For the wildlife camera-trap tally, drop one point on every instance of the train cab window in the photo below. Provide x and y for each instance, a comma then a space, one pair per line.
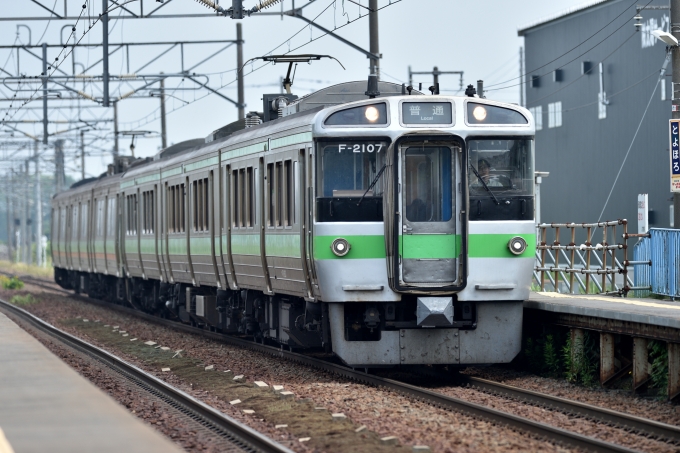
350, 181
503, 168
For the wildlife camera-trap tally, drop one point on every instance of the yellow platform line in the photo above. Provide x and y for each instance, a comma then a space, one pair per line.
5, 447
637, 302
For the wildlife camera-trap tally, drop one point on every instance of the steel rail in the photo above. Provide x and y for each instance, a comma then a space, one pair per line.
543, 430
236, 433
613, 418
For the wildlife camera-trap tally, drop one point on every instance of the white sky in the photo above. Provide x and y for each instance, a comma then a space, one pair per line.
478, 37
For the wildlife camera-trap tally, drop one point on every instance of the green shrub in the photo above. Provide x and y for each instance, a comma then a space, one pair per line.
11, 283
24, 300
541, 356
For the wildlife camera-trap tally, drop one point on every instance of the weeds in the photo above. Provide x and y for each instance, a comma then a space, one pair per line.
658, 354
24, 300
11, 283
541, 355
579, 360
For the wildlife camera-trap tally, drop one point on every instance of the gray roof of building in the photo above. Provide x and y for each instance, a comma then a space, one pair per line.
553, 17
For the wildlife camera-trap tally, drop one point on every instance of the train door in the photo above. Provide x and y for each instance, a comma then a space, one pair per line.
430, 241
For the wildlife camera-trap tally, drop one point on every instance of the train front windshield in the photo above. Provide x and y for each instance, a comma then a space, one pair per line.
350, 183
504, 167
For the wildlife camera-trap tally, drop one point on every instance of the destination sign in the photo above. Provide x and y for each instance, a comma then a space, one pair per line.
427, 113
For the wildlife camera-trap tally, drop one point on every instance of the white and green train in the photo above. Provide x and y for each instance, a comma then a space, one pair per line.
396, 229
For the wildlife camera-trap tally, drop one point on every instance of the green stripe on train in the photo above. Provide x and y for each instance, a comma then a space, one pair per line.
430, 246
426, 246
496, 245
283, 245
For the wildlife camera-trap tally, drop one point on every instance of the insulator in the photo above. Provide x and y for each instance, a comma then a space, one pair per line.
265, 4
253, 119
208, 3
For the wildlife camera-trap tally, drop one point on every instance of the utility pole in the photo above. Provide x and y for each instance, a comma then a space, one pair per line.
164, 130
521, 76
10, 215
24, 215
675, 31
105, 46
38, 209
239, 73
374, 35
82, 154
115, 132
44, 70
59, 166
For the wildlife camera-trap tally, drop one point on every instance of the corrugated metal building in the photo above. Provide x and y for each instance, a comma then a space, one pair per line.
590, 76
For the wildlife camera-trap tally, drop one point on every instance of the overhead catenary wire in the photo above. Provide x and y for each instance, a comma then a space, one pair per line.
662, 73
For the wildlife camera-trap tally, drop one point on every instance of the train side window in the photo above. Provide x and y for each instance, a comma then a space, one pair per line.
147, 212
236, 194
270, 195
279, 194
100, 218
131, 214
195, 203
111, 219
181, 195
243, 197
206, 205
250, 217
170, 204
288, 193
83, 219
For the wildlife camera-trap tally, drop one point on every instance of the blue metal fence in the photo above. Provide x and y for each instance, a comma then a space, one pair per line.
642, 273
665, 255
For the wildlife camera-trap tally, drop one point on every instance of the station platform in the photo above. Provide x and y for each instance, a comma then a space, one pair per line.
47, 406
647, 318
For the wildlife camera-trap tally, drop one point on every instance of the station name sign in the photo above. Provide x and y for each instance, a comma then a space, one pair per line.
675, 155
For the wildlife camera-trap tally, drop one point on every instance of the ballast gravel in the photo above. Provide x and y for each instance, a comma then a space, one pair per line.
383, 412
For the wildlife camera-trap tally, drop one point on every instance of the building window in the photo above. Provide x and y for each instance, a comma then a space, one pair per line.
555, 114
535, 81
537, 112
558, 75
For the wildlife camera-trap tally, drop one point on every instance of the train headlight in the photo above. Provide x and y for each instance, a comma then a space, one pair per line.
340, 247
517, 245
372, 114
479, 113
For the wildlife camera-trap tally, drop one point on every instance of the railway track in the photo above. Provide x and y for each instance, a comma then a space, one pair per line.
237, 436
631, 423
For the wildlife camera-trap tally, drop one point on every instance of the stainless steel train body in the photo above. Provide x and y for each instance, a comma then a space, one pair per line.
394, 230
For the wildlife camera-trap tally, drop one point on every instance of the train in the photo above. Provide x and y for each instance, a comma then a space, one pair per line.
387, 227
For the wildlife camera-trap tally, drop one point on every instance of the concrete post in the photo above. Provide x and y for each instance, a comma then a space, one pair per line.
82, 154
640, 363
105, 48
115, 133
44, 69
607, 367
577, 338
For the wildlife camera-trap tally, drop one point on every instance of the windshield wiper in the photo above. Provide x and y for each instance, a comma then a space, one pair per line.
495, 200
375, 180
